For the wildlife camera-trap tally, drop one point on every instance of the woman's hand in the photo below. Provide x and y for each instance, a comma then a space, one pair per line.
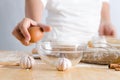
21, 30
107, 29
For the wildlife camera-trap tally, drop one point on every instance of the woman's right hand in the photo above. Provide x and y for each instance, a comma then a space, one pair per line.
21, 30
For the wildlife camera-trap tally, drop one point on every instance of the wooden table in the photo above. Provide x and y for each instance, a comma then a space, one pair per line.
43, 71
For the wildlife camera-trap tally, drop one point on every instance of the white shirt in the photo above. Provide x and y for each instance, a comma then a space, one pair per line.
73, 19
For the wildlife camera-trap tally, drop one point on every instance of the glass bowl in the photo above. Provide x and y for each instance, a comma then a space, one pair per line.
51, 52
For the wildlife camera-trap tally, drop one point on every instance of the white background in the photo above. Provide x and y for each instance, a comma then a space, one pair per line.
12, 11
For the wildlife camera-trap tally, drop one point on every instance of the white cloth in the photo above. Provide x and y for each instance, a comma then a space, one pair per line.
73, 19
45, 1
105, 0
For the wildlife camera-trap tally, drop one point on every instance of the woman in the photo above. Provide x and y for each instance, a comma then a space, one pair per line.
81, 19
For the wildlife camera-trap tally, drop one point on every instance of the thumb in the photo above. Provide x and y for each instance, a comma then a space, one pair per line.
45, 28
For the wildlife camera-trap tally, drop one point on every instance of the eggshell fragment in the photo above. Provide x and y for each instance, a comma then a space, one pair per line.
34, 51
63, 64
27, 62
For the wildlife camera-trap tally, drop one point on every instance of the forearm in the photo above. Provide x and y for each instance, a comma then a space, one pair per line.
34, 9
105, 13
106, 28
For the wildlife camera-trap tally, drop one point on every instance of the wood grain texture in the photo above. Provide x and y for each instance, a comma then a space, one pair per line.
43, 71
46, 72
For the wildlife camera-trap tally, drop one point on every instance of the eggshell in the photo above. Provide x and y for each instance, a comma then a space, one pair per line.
63, 64
27, 62
36, 34
34, 51
90, 44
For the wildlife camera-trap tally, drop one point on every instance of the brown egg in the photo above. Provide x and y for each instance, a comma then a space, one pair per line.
36, 34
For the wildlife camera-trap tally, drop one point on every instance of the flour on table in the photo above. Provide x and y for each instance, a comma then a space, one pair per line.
11, 56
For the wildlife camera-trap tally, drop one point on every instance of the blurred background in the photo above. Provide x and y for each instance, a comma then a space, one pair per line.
12, 11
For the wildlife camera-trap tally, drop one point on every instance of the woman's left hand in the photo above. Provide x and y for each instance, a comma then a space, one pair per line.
107, 29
